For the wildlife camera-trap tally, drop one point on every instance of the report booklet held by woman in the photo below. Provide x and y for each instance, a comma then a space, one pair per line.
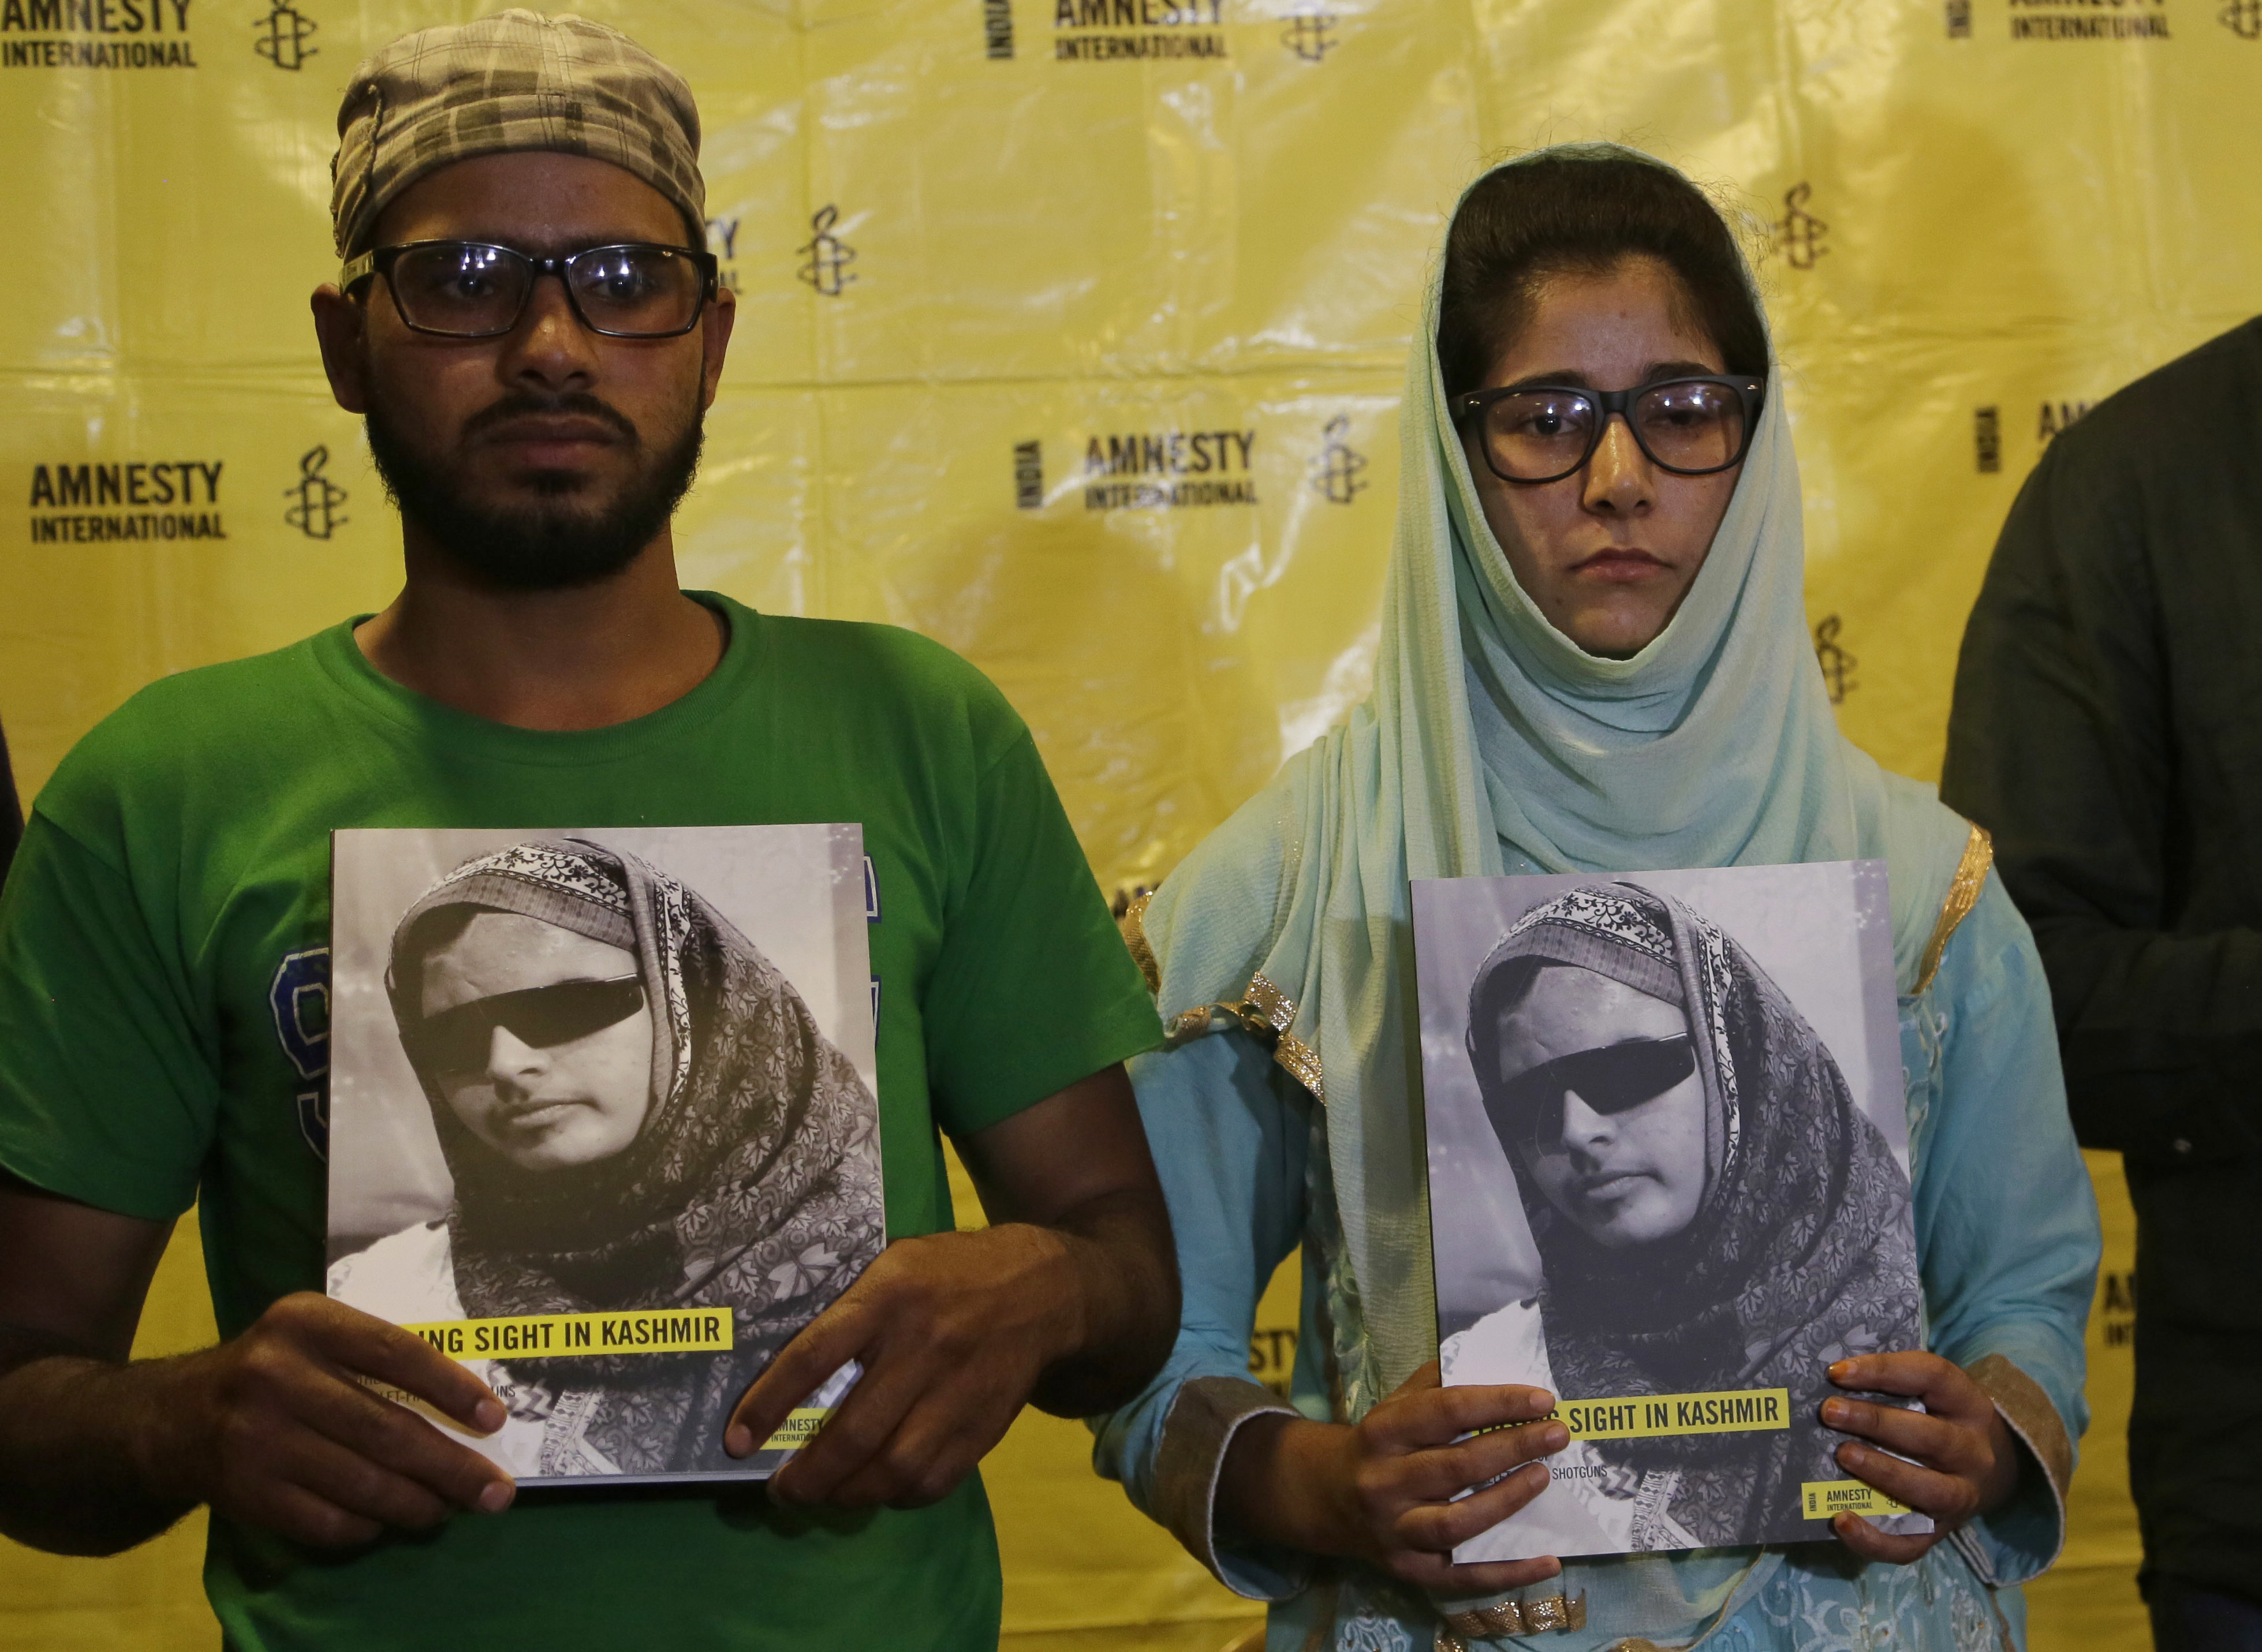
604, 1123
1669, 1184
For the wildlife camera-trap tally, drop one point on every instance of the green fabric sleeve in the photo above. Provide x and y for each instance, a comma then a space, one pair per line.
1033, 988
105, 1096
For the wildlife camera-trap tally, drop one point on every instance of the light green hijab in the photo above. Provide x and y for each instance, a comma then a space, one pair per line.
1491, 742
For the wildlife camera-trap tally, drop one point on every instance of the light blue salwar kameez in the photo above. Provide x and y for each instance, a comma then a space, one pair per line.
1284, 1114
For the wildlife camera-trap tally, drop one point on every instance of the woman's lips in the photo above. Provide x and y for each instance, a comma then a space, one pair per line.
1609, 1184
1620, 564
531, 1117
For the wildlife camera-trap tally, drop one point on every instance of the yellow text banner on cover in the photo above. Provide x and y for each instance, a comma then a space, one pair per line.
1822, 1499
1652, 1416
649, 1331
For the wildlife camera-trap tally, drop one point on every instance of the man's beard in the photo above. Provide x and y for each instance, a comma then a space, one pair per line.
551, 545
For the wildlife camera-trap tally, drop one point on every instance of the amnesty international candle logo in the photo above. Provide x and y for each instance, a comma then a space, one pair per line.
1126, 30
1959, 20
1028, 476
997, 30
1310, 35
83, 503
827, 258
314, 499
1799, 235
1336, 468
1168, 470
1987, 439
282, 36
96, 34
1837, 664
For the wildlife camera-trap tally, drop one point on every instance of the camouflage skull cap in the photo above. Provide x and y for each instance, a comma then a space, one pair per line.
512, 81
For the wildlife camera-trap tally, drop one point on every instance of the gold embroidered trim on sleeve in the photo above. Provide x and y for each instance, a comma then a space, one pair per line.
1512, 1617
1272, 1008
1265, 1013
1302, 1063
1963, 896
1133, 926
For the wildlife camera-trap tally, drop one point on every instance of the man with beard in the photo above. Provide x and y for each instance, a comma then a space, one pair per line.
528, 322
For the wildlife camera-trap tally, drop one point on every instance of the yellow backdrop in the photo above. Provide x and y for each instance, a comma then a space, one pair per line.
1001, 262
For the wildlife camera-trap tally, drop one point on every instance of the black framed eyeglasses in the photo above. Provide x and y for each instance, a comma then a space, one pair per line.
1609, 1080
476, 290
1543, 433
459, 1040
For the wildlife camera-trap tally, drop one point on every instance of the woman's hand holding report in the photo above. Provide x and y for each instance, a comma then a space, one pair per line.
1426, 1469
1955, 1460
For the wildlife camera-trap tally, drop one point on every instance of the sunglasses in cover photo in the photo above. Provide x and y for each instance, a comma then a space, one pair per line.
604, 1123
1668, 1183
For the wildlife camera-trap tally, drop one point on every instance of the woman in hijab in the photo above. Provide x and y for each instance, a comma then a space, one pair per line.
1594, 658
639, 1112
1711, 1210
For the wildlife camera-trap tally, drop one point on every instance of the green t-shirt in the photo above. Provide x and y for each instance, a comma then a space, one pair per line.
163, 993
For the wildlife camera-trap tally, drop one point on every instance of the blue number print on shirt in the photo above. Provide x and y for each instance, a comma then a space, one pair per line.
300, 998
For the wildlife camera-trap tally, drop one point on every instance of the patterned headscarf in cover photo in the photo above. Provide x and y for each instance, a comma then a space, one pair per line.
753, 1183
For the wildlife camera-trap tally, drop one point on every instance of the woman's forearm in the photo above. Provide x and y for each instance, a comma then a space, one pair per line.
1281, 1483
1423, 1472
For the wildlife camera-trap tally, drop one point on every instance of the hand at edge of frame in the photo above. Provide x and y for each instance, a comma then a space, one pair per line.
954, 1331
279, 1428
1965, 1464
1388, 1489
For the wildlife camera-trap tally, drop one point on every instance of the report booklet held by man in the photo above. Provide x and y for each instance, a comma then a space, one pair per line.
604, 1123
1668, 1183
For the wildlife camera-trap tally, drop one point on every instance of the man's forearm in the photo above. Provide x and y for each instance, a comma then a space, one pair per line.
74, 1434
1125, 1290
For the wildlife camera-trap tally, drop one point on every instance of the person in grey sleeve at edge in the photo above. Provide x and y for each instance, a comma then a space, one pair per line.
2107, 730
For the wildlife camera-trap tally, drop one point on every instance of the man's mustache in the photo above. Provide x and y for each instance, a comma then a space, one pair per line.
575, 404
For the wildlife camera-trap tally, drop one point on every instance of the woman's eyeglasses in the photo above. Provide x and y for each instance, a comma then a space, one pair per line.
1543, 433
474, 290
459, 1040
1609, 1080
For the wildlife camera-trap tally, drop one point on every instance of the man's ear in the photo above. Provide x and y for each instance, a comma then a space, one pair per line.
715, 324
340, 326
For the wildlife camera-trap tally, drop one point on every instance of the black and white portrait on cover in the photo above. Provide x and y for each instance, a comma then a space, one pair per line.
1704, 1193
587, 1090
